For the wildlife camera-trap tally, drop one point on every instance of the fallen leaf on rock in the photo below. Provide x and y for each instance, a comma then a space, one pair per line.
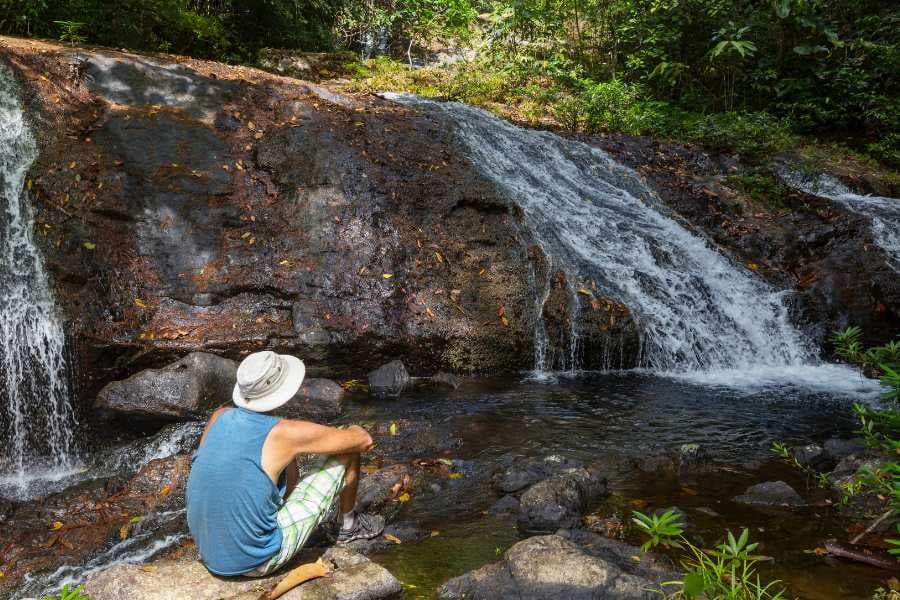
689, 491
635, 558
584, 291
638, 503
392, 538
438, 257
404, 497
56, 525
123, 532
140, 303
393, 429
505, 321
165, 491
435, 533
89, 244
149, 568
455, 475
387, 275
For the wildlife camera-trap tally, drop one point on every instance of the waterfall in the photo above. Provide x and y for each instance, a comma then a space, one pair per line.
884, 213
36, 417
698, 311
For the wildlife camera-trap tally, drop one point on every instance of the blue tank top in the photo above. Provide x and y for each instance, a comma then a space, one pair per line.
231, 502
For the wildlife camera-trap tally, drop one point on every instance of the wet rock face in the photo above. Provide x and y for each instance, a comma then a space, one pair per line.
196, 206
183, 390
354, 577
560, 501
549, 567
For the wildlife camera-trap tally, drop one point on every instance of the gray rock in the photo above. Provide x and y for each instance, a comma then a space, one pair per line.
812, 456
354, 578
183, 390
389, 380
551, 567
771, 493
505, 505
317, 400
524, 472
560, 501
405, 532
447, 379
838, 449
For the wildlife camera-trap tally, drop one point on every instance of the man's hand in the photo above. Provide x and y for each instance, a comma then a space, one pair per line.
359, 429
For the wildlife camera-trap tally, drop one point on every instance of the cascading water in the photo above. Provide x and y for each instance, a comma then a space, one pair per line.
698, 311
883, 212
36, 417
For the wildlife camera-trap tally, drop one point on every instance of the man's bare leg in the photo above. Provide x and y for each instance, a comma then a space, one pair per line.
351, 481
355, 526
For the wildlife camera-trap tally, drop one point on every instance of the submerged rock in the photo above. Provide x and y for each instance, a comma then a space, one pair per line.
837, 449
354, 578
771, 493
526, 471
183, 390
550, 567
389, 380
812, 456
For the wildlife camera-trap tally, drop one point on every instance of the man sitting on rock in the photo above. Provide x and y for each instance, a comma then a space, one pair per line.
247, 507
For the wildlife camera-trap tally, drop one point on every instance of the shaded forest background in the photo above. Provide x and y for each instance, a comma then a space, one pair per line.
744, 75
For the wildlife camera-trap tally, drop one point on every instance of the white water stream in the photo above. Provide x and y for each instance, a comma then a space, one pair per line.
883, 212
36, 418
701, 315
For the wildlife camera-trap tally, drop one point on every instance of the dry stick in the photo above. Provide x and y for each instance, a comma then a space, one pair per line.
861, 554
872, 527
297, 576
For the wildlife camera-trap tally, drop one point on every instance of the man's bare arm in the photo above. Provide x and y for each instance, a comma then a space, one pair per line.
303, 437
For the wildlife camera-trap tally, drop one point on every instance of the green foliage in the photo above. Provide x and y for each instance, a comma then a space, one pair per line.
69, 594
894, 542
69, 31
781, 450
729, 572
662, 528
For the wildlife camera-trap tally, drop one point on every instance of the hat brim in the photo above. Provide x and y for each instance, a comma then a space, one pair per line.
293, 379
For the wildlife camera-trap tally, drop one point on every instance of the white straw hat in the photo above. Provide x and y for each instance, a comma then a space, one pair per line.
266, 380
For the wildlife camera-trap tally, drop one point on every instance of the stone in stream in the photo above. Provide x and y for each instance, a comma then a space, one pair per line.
354, 578
522, 472
813, 456
550, 567
771, 493
389, 380
838, 449
560, 502
183, 390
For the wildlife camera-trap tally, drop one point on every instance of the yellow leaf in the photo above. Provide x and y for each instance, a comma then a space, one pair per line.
284, 263
481, 272
72, 165
1, 574
584, 292
56, 525
140, 303
438, 257
505, 321
165, 491
258, 135
435, 533
28, 184
635, 558
392, 538
89, 244
455, 475
387, 275
404, 497
245, 235
123, 532
149, 568
753, 266
393, 429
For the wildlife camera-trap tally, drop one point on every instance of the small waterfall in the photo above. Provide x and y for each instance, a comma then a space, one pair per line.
36, 417
883, 212
698, 311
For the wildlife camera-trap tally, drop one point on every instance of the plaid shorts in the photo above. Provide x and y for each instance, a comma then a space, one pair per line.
305, 508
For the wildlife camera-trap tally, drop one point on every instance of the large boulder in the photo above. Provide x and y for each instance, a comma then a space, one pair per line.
183, 390
389, 380
319, 400
551, 567
560, 502
354, 577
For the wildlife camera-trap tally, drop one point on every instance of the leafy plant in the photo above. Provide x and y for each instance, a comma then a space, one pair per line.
69, 31
894, 542
781, 450
727, 573
662, 528
69, 594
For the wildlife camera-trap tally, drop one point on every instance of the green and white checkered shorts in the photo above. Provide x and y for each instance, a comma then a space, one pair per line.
305, 508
